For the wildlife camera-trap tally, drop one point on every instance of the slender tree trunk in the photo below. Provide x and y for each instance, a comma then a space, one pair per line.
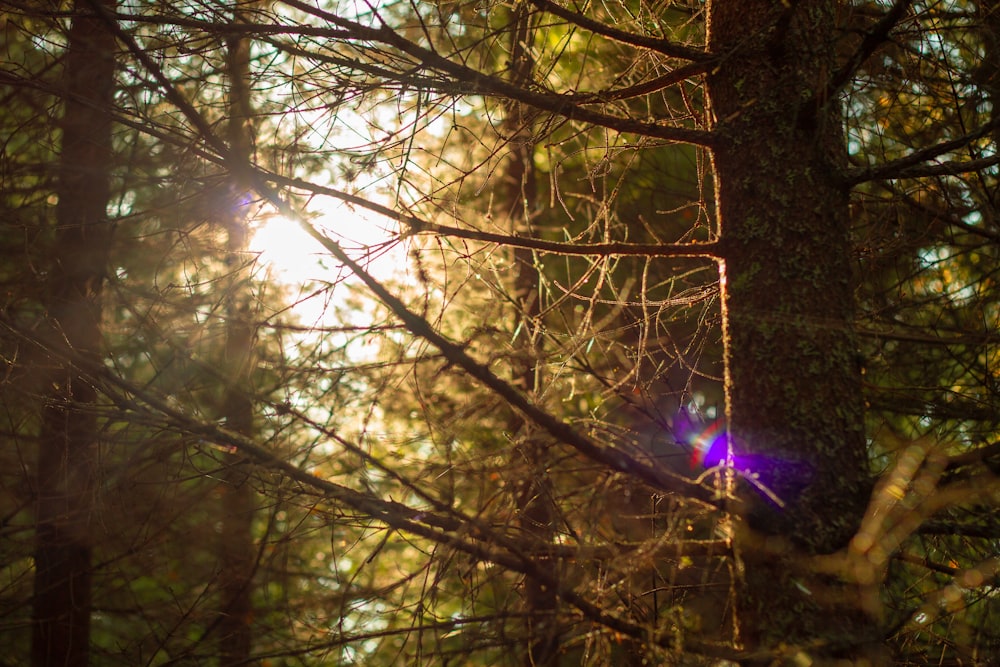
67, 455
236, 545
236, 549
990, 69
534, 494
793, 380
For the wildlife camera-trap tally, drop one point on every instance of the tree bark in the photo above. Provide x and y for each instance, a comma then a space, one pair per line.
533, 492
990, 69
236, 547
67, 455
793, 379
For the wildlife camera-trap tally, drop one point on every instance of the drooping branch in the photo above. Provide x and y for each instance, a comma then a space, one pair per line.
949, 168
950, 215
666, 47
171, 92
416, 225
225, 28
913, 335
897, 401
417, 78
616, 459
267, 32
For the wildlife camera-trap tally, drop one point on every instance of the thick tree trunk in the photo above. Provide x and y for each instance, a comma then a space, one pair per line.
236, 547
793, 379
67, 454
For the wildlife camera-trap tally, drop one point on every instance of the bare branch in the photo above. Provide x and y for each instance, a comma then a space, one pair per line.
875, 38
438, 528
229, 28
481, 83
415, 225
898, 332
950, 168
612, 457
652, 43
710, 250
659, 83
911, 166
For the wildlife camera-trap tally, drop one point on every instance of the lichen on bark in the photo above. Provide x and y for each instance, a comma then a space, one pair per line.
792, 379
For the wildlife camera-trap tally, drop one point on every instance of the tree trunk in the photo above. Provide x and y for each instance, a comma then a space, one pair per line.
793, 379
236, 548
67, 454
236, 545
534, 494
990, 69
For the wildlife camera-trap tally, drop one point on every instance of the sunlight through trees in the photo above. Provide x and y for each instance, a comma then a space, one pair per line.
535, 333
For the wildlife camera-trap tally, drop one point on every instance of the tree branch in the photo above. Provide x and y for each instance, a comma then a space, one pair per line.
896, 401
950, 168
437, 528
415, 225
612, 457
663, 46
481, 83
910, 166
709, 250
659, 83
915, 335
875, 38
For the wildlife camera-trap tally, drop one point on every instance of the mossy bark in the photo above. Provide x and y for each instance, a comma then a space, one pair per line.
793, 380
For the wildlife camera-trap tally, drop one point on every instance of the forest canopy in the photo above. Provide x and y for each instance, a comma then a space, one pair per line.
529, 332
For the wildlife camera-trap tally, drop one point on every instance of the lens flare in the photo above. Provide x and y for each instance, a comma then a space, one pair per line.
708, 448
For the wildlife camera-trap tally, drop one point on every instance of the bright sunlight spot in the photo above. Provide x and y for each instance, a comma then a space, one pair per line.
289, 254
292, 257
299, 264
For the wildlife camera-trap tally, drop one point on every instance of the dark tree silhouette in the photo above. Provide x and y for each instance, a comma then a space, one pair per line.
68, 441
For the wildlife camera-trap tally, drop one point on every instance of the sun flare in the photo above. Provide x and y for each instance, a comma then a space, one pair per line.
289, 257
293, 257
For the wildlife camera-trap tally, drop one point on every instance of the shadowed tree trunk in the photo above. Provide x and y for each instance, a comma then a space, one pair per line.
67, 454
534, 495
236, 547
990, 69
793, 379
